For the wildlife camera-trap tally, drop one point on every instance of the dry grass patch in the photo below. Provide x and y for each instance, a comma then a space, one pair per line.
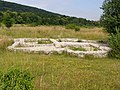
5, 41
54, 32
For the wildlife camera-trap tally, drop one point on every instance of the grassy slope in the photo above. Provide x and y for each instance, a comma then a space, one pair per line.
62, 72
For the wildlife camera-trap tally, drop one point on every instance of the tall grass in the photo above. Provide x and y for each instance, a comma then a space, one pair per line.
5, 41
61, 72
54, 32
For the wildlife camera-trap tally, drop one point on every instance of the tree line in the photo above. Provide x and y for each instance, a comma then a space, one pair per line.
22, 14
43, 19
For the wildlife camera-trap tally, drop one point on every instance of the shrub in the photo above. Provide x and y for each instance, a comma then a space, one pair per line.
16, 80
8, 21
111, 15
73, 26
77, 28
114, 43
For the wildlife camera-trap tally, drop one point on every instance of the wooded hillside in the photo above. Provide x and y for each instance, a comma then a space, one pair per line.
30, 15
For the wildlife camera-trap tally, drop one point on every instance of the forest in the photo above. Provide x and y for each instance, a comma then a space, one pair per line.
21, 14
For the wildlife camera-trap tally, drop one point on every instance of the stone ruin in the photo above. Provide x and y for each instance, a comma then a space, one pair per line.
70, 46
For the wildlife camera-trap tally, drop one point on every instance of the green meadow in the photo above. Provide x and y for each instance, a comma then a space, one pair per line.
60, 72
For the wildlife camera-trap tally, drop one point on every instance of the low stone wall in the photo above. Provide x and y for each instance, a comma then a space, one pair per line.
59, 46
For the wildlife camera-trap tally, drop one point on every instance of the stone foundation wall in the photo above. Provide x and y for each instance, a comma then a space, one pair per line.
59, 46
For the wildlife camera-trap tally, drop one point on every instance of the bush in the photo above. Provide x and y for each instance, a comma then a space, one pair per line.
73, 26
77, 28
111, 15
16, 80
8, 21
114, 43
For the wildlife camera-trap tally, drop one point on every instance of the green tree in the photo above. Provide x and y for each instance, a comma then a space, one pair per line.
111, 21
111, 15
114, 43
8, 21
19, 19
0, 2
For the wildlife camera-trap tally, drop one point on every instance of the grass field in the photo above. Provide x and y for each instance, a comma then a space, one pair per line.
61, 72
54, 32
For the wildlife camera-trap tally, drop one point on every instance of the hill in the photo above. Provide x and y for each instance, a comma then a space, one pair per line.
32, 15
21, 8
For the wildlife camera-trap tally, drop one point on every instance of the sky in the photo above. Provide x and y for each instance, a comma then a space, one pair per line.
89, 9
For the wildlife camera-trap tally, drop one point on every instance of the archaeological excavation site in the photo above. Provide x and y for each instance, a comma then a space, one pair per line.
71, 46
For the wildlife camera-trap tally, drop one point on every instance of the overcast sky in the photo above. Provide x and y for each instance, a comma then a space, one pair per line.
89, 9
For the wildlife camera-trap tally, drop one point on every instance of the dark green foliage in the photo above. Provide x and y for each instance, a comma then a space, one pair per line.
7, 19
0, 3
111, 21
1, 16
70, 26
16, 80
73, 26
77, 28
1, 74
114, 43
111, 15
29, 15
8, 22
